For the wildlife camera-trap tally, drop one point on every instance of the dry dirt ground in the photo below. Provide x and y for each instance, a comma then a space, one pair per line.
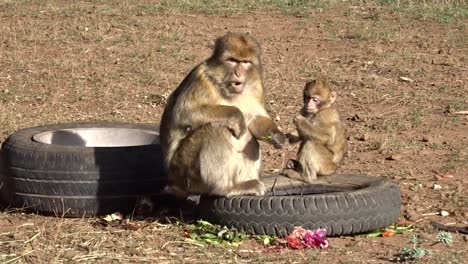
401, 72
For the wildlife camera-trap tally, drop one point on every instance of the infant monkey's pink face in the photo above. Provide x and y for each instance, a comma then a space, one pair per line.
312, 104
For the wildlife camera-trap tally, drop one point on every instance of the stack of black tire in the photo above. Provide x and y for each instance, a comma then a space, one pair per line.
78, 181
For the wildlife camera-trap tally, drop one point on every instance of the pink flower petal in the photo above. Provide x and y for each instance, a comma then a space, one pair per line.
321, 232
301, 238
324, 244
299, 232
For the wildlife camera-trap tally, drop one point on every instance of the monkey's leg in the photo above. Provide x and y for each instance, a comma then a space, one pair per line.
293, 174
306, 158
253, 187
316, 159
327, 167
226, 171
294, 170
324, 160
184, 168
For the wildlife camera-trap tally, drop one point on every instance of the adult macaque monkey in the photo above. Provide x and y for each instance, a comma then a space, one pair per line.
211, 123
322, 134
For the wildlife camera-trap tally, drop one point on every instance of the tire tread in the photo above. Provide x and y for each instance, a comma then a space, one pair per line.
344, 213
78, 180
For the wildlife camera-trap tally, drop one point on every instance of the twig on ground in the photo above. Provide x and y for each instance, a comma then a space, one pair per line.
182, 242
88, 257
26, 224
32, 238
446, 227
18, 257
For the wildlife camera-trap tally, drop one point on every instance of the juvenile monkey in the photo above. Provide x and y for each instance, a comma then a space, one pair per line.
211, 123
322, 134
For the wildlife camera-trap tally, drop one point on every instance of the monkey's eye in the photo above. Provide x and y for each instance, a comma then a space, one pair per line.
316, 100
246, 64
232, 60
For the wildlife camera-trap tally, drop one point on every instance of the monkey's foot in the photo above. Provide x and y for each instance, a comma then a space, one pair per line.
252, 187
293, 174
293, 164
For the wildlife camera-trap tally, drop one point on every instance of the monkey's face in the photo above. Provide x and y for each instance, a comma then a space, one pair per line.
237, 64
317, 95
237, 74
312, 104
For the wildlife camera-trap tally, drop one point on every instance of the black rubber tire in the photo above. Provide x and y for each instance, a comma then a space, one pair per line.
77, 181
352, 204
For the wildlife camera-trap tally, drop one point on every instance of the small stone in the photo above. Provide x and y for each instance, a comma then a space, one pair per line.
412, 216
69, 254
404, 222
427, 139
419, 210
446, 176
436, 187
364, 137
444, 213
447, 61
414, 199
395, 157
405, 79
426, 152
358, 118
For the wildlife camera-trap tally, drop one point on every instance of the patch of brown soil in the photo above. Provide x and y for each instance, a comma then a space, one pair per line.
399, 80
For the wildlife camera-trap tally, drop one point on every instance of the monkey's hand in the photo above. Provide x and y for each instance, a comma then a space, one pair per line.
303, 126
278, 139
293, 137
236, 124
299, 119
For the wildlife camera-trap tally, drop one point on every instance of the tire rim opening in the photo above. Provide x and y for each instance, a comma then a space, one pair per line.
98, 137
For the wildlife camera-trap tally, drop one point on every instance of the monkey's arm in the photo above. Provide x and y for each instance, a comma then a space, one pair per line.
218, 115
317, 131
263, 127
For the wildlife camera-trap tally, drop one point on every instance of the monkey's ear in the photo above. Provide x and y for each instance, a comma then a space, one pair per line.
333, 96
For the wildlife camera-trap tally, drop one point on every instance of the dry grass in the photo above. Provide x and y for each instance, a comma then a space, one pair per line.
66, 61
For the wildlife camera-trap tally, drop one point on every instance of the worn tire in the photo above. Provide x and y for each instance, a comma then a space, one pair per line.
350, 204
77, 181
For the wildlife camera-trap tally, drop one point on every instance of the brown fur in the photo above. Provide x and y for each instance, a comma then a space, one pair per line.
211, 123
322, 135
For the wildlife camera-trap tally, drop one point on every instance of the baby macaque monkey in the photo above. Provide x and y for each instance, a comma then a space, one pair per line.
322, 134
